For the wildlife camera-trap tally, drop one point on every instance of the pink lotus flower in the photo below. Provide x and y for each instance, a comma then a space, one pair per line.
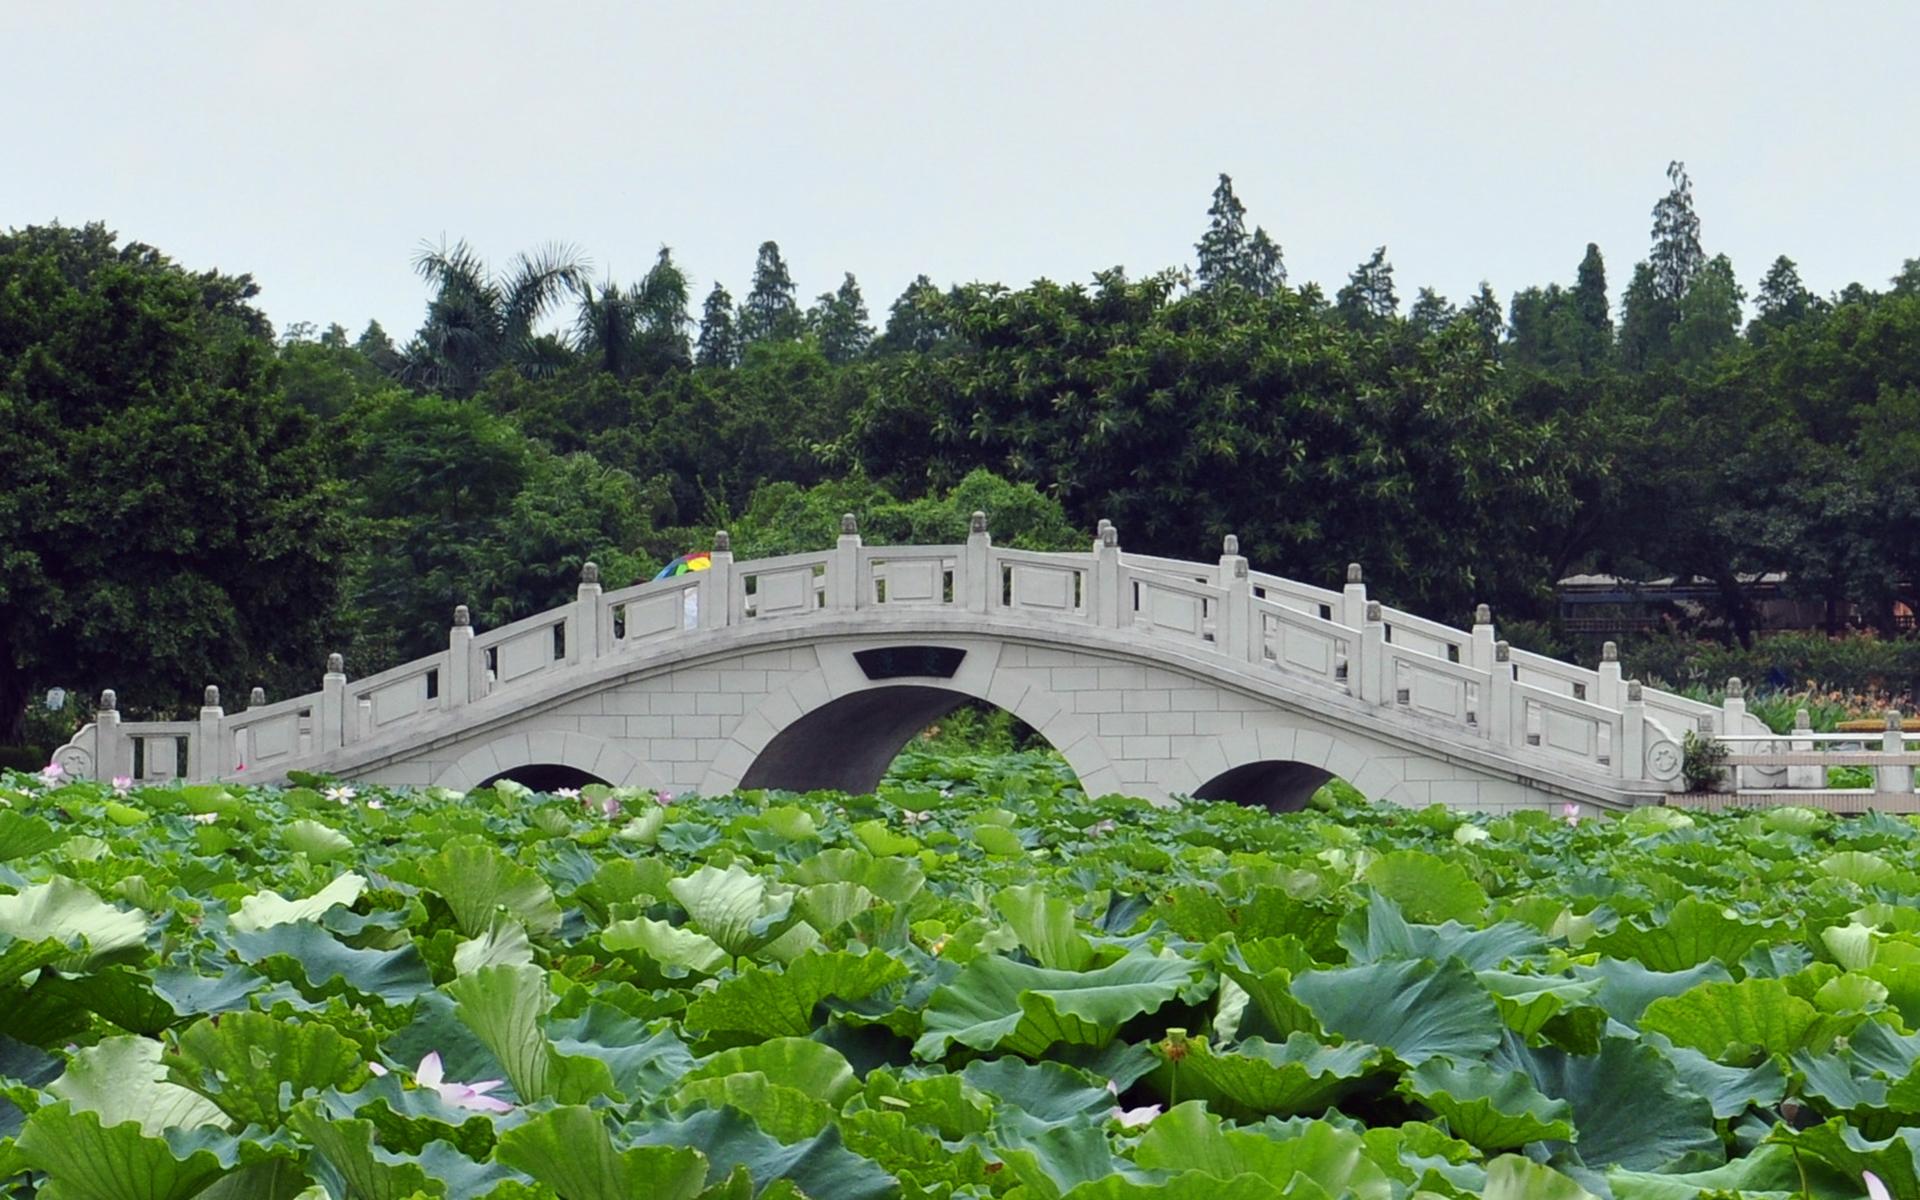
122, 784
431, 1074
610, 807
341, 794
663, 797
53, 772
1875, 1189
567, 793
1131, 1118
376, 804
1570, 813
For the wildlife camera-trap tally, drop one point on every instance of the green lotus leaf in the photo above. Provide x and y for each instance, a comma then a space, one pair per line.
734, 907
320, 843
895, 880
1528, 1002
800, 1063
948, 1104
1626, 988
477, 881
570, 1150
122, 1080
503, 943
254, 1067
828, 906
1045, 926
1042, 1093
66, 912
1492, 1108
996, 1002
679, 950
787, 1113
1427, 888
817, 1166
1861, 867
762, 1002
1731, 1022
1257, 1078
350, 1163
1380, 931
22, 836
643, 1058
86, 1159
1630, 1106
1511, 1177
1894, 1159
122, 995
1187, 1138
506, 1008
265, 909
1770, 1171
1417, 1009
321, 965
1695, 931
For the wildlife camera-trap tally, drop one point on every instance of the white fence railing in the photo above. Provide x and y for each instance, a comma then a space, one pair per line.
1431, 675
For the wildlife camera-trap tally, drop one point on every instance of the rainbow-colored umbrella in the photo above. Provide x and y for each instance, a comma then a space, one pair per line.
695, 560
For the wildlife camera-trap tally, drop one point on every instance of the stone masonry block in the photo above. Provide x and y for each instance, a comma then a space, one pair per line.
1218, 722
1151, 701
697, 680
1095, 702
1122, 724
1145, 747
696, 727
729, 703
1179, 724
1074, 679
649, 727
1193, 699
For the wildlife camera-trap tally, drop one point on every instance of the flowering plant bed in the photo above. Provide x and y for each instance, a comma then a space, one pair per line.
977, 983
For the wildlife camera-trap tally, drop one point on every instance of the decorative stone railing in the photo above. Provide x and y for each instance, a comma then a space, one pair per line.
1461, 682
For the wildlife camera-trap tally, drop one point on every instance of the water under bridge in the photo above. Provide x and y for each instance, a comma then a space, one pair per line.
1153, 677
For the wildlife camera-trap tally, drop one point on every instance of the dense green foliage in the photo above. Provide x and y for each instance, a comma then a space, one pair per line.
539, 417
977, 983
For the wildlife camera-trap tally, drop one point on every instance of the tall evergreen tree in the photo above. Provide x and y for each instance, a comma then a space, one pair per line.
1589, 296
1677, 256
1646, 320
770, 312
914, 322
1229, 255
1430, 313
1368, 299
719, 344
839, 320
379, 349
1782, 300
1709, 319
1484, 311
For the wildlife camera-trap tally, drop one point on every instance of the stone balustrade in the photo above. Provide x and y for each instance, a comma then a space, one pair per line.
1422, 673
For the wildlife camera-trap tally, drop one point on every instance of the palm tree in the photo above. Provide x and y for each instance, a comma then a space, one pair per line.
479, 321
642, 328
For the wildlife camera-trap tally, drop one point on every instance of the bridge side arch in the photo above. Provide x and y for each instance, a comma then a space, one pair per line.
582, 752
893, 705
1279, 767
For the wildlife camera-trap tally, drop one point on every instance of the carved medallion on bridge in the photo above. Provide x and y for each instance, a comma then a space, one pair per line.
1663, 761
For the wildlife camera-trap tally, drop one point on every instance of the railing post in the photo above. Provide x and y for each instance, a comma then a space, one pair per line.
1608, 690
976, 567
1810, 776
1733, 713
1353, 603
716, 584
206, 757
109, 744
843, 570
1375, 687
1480, 644
585, 646
1107, 605
1632, 758
333, 705
460, 690
1894, 778
1235, 632
1500, 717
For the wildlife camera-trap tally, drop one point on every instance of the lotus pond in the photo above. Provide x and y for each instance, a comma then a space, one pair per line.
977, 983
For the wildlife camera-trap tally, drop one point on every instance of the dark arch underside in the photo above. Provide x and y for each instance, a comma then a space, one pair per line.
1275, 785
545, 777
846, 745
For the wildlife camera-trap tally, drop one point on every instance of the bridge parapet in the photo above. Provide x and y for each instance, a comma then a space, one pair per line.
1425, 673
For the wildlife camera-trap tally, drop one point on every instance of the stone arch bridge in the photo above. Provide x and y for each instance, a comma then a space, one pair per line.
1153, 677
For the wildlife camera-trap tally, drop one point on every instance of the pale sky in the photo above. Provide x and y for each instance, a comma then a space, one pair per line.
316, 145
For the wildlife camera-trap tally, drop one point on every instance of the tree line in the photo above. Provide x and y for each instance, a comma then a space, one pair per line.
191, 498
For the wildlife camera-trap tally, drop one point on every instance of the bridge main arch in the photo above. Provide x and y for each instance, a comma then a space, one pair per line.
840, 729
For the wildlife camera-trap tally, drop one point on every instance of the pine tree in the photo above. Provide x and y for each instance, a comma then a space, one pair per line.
719, 344
1782, 299
379, 349
1229, 255
1223, 247
1368, 299
1431, 312
1677, 256
1590, 294
914, 323
1709, 319
771, 312
1646, 321
839, 320
1484, 311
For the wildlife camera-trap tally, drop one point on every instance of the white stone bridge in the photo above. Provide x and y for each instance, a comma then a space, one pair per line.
1153, 677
